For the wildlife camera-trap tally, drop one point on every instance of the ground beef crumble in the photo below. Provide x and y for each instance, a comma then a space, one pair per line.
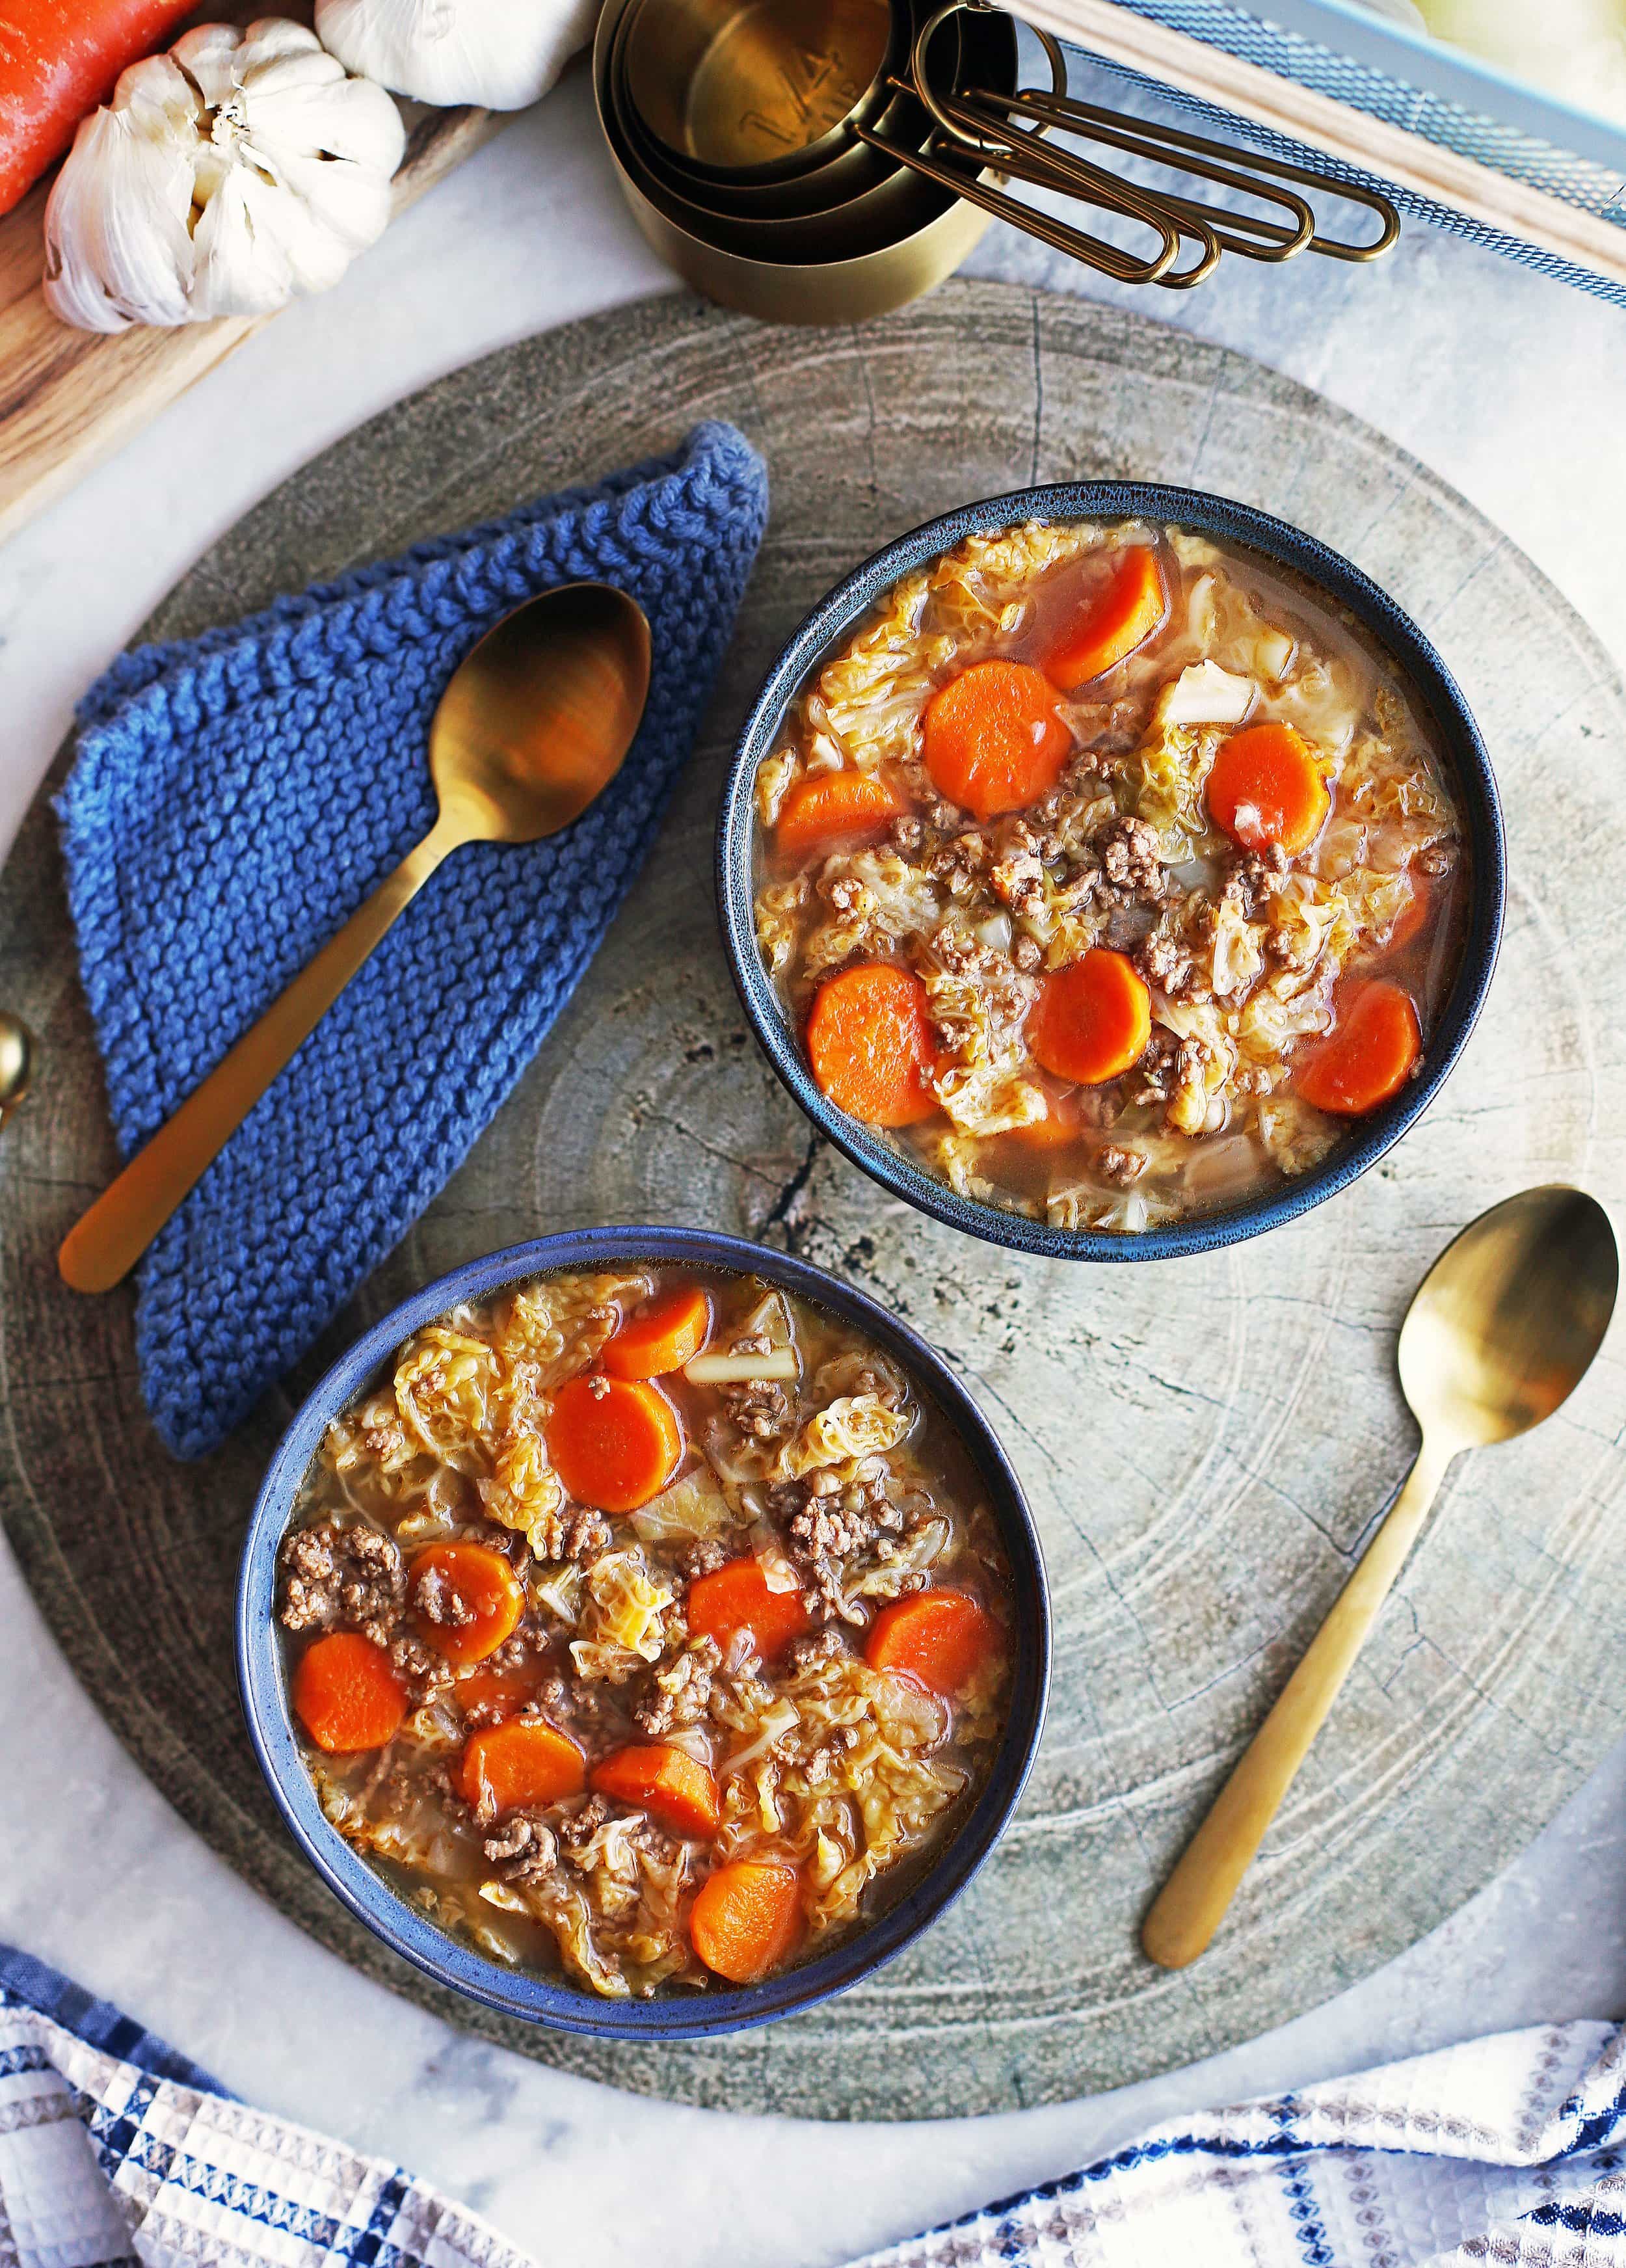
678, 1692
524, 1849
348, 1577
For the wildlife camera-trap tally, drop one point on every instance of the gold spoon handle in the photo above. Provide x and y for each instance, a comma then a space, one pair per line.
1192, 1904
103, 1246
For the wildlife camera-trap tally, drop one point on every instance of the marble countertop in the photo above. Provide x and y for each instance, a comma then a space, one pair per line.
1510, 387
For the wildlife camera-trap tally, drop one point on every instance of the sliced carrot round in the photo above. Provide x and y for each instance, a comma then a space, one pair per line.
613, 1442
871, 1044
1119, 616
1091, 1020
995, 738
829, 805
1367, 1057
737, 1597
1266, 788
345, 1693
523, 1766
672, 1786
746, 1918
661, 1336
942, 1638
467, 1599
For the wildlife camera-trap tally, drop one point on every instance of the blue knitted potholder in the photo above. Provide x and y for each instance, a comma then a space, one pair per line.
237, 796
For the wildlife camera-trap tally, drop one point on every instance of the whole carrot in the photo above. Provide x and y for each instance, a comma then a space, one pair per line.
58, 60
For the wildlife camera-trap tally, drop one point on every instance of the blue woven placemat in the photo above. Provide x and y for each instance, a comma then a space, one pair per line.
237, 796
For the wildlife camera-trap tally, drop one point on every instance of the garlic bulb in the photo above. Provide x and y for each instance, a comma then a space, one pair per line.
499, 53
224, 177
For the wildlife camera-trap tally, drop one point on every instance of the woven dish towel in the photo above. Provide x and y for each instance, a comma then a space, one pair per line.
236, 797
113, 2149
117, 2153
1510, 2149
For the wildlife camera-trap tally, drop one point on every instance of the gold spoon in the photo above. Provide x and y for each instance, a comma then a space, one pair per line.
17, 1054
535, 722
1502, 1329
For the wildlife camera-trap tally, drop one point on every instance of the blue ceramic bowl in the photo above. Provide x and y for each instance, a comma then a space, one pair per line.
1456, 738
263, 1683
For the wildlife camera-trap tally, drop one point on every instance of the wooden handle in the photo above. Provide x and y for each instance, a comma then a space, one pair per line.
103, 1248
1192, 1902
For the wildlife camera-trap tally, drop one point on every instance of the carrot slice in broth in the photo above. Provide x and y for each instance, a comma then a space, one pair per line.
737, 1597
746, 1919
995, 738
942, 1638
829, 805
1368, 1055
672, 1786
346, 1694
613, 1442
467, 1599
1266, 788
1093, 1019
871, 1044
1120, 616
661, 1336
523, 1766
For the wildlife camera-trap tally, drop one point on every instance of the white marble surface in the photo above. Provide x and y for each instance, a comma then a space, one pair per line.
1508, 385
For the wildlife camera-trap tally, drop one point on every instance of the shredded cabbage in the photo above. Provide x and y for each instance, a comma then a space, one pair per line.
853, 1426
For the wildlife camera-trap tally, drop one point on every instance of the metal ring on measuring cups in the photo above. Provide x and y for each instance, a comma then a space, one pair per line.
984, 145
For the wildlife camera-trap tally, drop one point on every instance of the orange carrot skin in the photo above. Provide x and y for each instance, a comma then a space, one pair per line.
1367, 1057
1265, 788
615, 1449
942, 1638
746, 1918
525, 1764
871, 1044
659, 1338
58, 60
345, 1693
830, 805
994, 738
737, 1597
1123, 616
483, 1580
1092, 1021
673, 1788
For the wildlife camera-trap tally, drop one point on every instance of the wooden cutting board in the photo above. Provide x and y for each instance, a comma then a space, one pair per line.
70, 399
1205, 1441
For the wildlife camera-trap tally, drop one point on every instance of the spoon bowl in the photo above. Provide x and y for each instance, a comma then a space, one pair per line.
1505, 1324
16, 1053
536, 722
539, 717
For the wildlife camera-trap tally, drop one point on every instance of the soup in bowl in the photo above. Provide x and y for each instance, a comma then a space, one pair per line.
645, 1627
1111, 871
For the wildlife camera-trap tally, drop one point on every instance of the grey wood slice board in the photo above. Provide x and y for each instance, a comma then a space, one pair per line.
1205, 1441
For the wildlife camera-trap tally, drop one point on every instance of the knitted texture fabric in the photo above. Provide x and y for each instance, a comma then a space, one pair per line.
235, 796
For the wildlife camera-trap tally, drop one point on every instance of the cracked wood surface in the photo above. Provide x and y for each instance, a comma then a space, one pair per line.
1205, 1442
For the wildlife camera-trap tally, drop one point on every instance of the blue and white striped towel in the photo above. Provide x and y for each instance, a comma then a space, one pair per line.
115, 2151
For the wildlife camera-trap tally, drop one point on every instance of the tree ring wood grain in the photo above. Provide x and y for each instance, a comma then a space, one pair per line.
1205, 1441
